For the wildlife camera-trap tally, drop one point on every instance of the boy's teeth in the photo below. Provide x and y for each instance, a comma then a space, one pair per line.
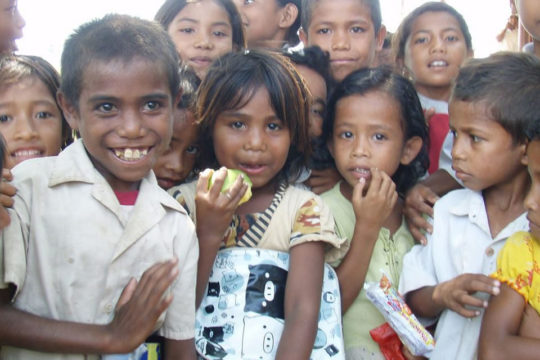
27, 153
438, 63
365, 171
130, 154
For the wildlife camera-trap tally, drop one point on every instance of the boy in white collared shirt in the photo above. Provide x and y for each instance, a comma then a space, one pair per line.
87, 221
492, 102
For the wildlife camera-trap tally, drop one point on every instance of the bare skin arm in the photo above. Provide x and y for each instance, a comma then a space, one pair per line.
302, 301
455, 294
180, 350
139, 307
7, 191
420, 200
214, 214
499, 336
371, 209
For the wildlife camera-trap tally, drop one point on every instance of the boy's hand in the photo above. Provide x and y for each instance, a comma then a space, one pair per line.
419, 201
139, 307
214, 208
457, 294
373, 207
323, 180
7, 191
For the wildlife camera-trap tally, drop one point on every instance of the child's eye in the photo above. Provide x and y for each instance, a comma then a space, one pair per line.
452, 38
152, 105
317, 112
237, 125
4, 118
454, 133
379, 137
219, 34
274, 126
475, 138
421, 40
357, 29
43, 115
248, 2
186, 30
106, 107
323, 31
346, 135
192, 149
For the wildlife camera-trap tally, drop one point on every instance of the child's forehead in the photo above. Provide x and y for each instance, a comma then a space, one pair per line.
435, 19
138, 71
342, 10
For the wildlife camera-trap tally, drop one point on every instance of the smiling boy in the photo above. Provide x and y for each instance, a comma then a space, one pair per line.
88, 221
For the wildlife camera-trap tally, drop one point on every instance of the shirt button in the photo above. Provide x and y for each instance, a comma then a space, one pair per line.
108, 308
490, 251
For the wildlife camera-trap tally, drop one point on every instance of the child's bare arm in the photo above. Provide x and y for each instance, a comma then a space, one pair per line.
7, 191
140, 305
530, 323
455, 294
371, 210
214, 214
302, 301
323, 180
499, 336
420, 200
180, 350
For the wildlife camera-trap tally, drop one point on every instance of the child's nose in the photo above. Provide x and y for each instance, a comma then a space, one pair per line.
255, 140
25, 128
361, 148
19, 20
174, 162
131, 125
203, 41
340, 40
438, 45
532, 200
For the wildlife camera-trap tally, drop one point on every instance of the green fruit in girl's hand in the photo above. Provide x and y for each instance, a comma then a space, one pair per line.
232, 174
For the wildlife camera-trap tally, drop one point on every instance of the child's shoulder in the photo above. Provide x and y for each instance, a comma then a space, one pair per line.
461, 198
300, 194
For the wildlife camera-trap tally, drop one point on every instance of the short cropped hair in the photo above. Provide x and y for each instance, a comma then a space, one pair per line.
116, 37
14, 68
170, 8
404, 30
231, 82
508, 83
373, 5
313, 58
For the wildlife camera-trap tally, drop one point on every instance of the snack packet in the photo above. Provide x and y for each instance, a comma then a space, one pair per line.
400, 317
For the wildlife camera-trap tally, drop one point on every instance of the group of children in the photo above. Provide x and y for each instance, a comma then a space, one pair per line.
427, 172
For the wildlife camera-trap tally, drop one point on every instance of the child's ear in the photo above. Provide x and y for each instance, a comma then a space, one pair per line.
523, 150
289, 13
380, 37
411, 149
303, 37
330, 146
70, 112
